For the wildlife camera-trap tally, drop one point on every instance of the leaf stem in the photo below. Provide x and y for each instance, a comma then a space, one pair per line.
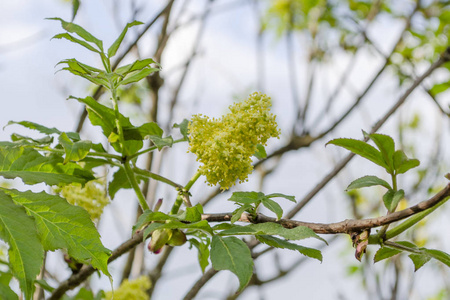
381, 236
90, 154
156, 177
183, 194
394, 182
135, 186
115, 101
191, 182
401, 247
177, 204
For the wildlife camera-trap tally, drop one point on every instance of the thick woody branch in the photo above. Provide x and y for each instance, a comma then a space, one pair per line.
345, 226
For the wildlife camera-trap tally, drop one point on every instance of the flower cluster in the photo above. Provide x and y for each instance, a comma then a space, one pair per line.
224, 146
131, 290
92, 197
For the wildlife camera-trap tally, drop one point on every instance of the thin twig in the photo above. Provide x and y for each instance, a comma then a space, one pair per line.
199, 37
200, 283
445, 57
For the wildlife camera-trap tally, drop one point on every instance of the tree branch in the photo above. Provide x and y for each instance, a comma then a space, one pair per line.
445, 57
345, 226
200, 283
332, 228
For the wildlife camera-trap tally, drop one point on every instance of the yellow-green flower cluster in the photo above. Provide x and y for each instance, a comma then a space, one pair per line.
225, 146
131, 290
92, 197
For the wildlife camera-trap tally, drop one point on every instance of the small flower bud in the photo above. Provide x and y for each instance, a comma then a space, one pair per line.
158, 204
178, 238
160, 237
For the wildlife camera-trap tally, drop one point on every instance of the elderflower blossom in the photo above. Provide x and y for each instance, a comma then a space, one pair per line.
131, 290
225, 146
92, 197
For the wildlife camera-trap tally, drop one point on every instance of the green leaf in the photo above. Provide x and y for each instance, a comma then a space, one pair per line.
407, 165
362, 149
113, 49
62, 225
269, 228
151, 131
290, 198
44, 284
238, 212
103, 116
387, 199
135, 77
31, 125
439, 255
148, 216
419, 260
80, 31
5, 291
203, 253
74, 151
387, 148
279, 243
273, 206
246, 197
201, 225
26, 253
82, 68
439, 88
183, 126
192, 214
260, 152
391, 199
399, 195
367, 181
75, 40
32, 167
387, 252
120, 181
75, 6
92, 74
45, 141
135, 66
232, 254
402, 163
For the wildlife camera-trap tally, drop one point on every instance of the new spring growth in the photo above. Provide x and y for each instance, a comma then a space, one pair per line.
224, 146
